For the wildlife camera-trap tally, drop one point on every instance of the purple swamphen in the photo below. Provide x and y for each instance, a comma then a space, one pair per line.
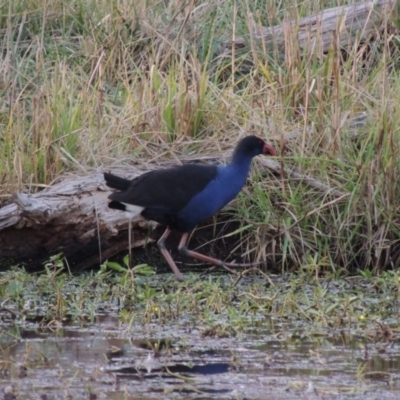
183, 196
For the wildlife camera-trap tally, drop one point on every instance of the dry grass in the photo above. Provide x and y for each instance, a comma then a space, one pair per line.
84, 83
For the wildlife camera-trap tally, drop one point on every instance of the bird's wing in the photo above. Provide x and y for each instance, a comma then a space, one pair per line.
169, 189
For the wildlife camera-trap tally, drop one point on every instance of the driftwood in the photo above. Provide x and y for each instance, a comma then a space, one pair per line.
346, 26
70, 217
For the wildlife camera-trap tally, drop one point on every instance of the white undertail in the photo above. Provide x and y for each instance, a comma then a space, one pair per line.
132, 211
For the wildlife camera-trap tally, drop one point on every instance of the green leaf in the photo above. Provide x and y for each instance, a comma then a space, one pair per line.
115, 266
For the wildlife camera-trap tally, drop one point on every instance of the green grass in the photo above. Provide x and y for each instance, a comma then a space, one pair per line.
214, 302
86, 82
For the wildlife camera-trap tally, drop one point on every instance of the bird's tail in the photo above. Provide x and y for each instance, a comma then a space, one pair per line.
116, 182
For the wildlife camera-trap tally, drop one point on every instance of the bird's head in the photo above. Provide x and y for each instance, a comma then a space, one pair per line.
254, 146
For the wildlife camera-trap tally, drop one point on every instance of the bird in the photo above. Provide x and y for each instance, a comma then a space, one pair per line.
183, 196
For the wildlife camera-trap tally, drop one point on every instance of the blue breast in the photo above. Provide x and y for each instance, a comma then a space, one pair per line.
220, 191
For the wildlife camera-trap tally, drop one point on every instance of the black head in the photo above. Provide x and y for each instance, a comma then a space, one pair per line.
253, 146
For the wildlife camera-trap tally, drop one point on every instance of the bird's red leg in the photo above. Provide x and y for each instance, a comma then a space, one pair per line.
210, 260
167, 256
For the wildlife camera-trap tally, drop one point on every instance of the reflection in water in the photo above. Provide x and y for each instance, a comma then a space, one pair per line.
115, 363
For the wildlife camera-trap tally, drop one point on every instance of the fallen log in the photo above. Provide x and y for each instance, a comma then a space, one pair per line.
70, 217
347, 26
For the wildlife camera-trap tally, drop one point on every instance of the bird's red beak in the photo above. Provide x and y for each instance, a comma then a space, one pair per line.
269, 150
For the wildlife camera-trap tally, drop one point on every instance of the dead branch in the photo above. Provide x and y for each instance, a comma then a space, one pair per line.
346, 25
